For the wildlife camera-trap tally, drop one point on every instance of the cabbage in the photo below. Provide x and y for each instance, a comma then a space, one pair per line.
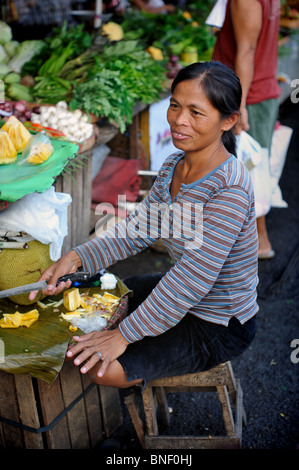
4, 70
3, 56
11, 47
25, 52
5, 33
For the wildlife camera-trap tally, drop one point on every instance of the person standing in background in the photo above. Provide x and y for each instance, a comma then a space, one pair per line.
248, 43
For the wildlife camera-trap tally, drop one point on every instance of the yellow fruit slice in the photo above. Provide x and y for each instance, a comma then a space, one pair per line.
17, 132
72, 299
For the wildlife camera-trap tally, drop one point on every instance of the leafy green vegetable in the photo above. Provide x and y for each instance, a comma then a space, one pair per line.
123, 74
171, 33
25, 52
5, 33
11, 47
51, 89
105, 95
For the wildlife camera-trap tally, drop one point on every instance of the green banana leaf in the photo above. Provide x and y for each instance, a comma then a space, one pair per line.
18, 180
39, 351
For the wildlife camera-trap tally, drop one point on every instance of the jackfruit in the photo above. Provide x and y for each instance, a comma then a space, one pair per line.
72, 299
8, 153
17, 132
20, 267
14, 320
39, 153
113, 30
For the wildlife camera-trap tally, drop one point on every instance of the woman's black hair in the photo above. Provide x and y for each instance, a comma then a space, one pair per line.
222, 88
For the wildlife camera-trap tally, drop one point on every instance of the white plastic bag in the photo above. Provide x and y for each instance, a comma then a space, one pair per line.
261, 180
280, 144
256, 159
249, 150
217, 16
41, 215
90, 323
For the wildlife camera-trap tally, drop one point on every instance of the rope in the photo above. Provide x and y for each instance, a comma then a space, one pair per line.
54, 422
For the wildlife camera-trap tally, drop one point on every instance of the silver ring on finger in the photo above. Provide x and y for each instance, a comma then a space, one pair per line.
100, 355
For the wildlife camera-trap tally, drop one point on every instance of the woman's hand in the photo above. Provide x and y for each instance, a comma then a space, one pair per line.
109, 344
242, 124
67, 264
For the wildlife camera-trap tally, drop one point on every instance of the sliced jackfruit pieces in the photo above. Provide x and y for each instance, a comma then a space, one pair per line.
17, 132
72, 299
8, 153
14, 320
39, 153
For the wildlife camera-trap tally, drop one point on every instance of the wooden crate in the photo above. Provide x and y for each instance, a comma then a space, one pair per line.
41, 411
78, 184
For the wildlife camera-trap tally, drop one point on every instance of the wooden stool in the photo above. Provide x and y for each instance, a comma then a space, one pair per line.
219, 379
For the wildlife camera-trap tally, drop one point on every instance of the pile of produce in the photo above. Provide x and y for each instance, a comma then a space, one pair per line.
106, 72
20, 109
74, 125
15, 138
177, 34
85, 310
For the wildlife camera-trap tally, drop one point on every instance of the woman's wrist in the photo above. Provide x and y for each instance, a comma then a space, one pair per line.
76, 259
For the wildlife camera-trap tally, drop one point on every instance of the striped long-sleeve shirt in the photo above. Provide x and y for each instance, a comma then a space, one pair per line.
210, 233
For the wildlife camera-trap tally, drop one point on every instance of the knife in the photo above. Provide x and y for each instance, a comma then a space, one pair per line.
76, 278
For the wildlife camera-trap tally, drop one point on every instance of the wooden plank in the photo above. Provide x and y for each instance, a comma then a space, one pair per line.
133, 142
58, 184
76, 193
191, 442
71, 387
149, 405
28, 411
144, 134
13, 437
134, 412
86, 200
213, 377
93, 412
52, 405
67, 188
111, 409
226, 410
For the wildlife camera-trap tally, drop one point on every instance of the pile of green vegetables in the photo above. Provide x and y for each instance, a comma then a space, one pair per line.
99, 76
95, 75
173, 33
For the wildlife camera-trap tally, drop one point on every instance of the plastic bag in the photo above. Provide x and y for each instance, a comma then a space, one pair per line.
43, 216
280, 144
89, 323
256, 159
217, 16
37, 150
248, 150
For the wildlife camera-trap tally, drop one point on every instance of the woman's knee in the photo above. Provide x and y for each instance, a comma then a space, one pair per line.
114, 376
